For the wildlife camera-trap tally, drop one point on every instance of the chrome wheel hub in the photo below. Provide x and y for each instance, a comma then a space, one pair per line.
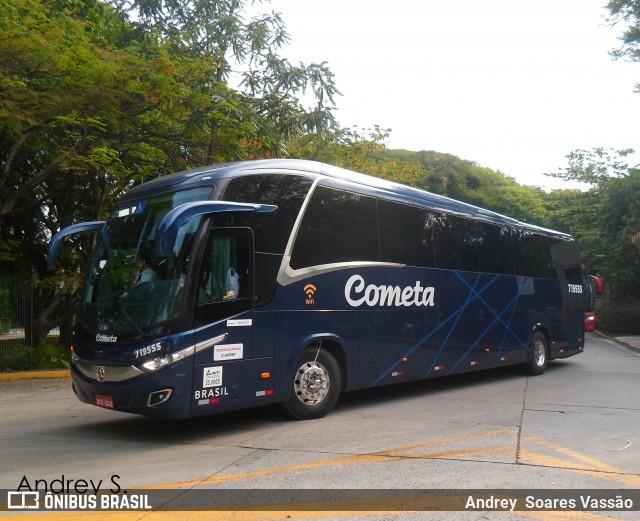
312, 383
539, 353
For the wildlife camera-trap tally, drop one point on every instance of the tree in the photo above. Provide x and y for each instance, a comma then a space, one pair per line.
365, 150
269, 108
92, 102
606, 216
362, 150
78, 115
84, 114
595, 167
627, 12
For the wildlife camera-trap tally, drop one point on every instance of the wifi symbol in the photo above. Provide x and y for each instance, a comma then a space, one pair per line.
310, 290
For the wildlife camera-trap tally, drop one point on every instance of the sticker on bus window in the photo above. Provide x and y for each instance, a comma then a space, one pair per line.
140, 207
212, 376
525, 286
227, 352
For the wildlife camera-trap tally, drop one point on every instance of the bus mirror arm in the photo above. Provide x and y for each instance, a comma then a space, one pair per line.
56, 241
176, 218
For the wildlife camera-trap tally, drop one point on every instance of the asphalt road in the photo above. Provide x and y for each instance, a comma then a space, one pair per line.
576, 427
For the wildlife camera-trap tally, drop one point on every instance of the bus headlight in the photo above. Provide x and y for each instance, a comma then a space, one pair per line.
172, 358
178, 356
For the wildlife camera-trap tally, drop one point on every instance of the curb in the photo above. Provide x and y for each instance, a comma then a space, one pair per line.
23, 375
617, 340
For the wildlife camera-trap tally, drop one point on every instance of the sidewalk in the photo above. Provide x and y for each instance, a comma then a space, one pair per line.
632, 342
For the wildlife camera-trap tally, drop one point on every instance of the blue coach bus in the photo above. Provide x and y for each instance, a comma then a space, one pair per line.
288, 281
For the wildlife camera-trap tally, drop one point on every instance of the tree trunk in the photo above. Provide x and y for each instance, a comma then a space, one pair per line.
213, 142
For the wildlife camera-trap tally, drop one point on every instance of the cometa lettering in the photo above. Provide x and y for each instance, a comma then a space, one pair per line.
106, 338
358, 293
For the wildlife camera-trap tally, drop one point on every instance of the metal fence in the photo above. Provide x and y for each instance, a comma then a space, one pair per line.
35, 325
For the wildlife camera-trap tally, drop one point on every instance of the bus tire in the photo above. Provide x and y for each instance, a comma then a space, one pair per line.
315, 385
539, 355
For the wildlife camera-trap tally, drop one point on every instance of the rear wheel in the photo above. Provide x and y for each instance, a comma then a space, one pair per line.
539, 355
315, 385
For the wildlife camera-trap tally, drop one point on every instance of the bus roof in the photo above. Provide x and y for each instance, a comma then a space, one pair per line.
365, 184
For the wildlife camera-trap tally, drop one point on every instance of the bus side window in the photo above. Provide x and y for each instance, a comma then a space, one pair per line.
338, 226
406, 234
533, 254
495, 249
286, 191
225, 270
455, 242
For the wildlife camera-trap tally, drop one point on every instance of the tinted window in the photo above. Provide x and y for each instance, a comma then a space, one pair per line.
565, 258
406, 234
455, 243
495, 251
533, 254
287, 192
338, 226
225, 281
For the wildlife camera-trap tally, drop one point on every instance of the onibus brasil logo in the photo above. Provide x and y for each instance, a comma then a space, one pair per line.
74, 494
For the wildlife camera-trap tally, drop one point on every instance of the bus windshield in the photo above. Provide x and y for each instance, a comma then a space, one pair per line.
129, 289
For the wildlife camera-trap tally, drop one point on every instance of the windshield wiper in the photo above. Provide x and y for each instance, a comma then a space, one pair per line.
131, 321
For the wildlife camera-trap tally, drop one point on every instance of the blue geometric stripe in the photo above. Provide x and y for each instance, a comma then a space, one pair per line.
498, 317
452, 321
508, 330
472, 347
415, 347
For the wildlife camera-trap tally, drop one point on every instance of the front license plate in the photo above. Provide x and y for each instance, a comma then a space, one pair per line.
104, 401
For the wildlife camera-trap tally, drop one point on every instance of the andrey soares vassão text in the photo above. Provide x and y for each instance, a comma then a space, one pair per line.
580, 502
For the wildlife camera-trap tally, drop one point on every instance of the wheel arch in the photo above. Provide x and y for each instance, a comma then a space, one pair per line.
541, 328
537, 360
334, 345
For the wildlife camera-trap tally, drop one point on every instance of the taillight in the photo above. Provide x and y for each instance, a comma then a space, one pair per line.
590, 321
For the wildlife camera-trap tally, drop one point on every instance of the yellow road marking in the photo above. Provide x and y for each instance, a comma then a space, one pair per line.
569, 460
364, 458
451, 439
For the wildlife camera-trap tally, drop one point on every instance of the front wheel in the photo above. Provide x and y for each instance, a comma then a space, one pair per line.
539, 355
315, 385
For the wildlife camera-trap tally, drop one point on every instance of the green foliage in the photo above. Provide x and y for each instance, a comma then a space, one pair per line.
626, 12
74, 114
97, 96
18, 358
6, 317
269, 109
93, 102
469, 182
605, 217
620, 317
444, 174
618, 221
596, 167
22, 358
51, 357
362, 150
